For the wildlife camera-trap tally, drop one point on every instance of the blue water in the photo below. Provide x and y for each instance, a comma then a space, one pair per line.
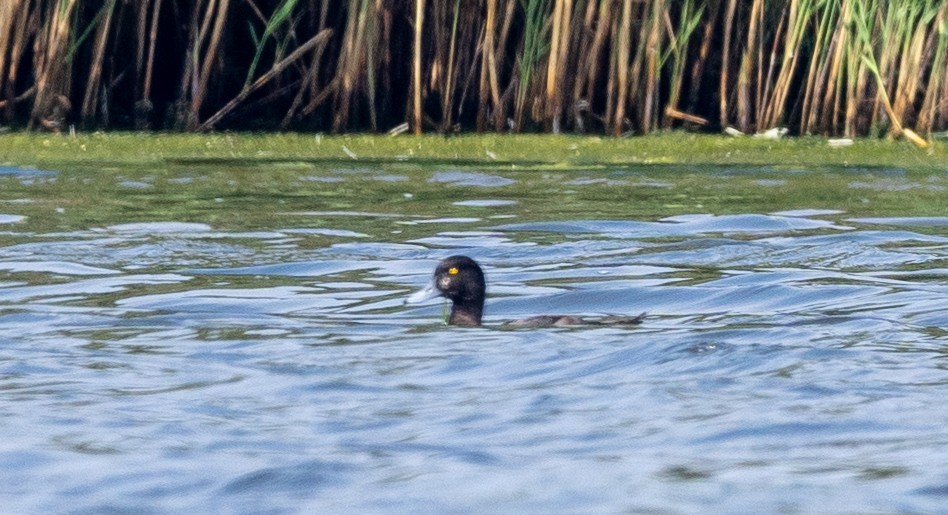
792, 361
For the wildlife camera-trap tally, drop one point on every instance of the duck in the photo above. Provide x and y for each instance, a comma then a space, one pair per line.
461, 280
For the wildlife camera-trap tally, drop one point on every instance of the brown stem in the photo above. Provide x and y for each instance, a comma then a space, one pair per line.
416, 65
622, 64
724, 84
318, 39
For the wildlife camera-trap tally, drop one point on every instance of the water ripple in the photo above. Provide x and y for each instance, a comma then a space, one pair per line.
788, 362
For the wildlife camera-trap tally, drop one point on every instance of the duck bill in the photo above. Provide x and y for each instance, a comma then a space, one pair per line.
427, 293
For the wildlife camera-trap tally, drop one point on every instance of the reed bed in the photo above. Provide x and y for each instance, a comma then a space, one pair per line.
826, 67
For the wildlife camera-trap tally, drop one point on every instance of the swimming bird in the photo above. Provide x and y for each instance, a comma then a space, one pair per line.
461, 280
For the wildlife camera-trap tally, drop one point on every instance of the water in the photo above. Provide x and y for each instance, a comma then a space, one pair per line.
234, 341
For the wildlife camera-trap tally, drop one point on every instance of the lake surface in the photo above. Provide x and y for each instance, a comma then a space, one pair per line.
231, 338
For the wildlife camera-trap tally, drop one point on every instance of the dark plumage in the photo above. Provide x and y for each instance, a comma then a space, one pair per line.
461, 280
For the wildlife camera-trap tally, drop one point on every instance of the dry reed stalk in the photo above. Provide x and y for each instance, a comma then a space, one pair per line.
704, 50
910, 74
652, 63
530, 55
505, 28
29, 93
929, 112
21, 27
678, 115
940, 105
744, 98
764, 73
678, 49
840, 63
310, 76
589, 73
377, 29
295, 55
447, 90
483, 87
352, 61
851, 93
816, 77
724, 83
152, 39
489, 89
559, 45
98, 56
483, 99
211, 31
912, 62
351, 65
612, 75
748, 89
437, 39
830, 66
871, 64
675, 82
489, 79
622, 66
798, 20
584, 39
893, 20
416, 65
568, 58
500, 53
256, 10
311, 83
470, 36
51, 66
281, 19
9, 14
768, 79
637, 71
141, 33
858, 96
553, 61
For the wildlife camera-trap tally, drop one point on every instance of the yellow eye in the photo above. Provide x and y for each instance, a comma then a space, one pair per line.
453, 271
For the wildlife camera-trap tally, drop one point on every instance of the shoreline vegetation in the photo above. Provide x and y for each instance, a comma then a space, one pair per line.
841, 68
486, 151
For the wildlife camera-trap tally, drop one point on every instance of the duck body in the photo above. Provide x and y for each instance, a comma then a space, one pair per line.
461, 280
568, 320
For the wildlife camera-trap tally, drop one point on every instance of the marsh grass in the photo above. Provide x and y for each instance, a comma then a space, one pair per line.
825, 67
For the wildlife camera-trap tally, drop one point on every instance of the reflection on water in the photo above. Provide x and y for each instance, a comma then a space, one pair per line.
229, 351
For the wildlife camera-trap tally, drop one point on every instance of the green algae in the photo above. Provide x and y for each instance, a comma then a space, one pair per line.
549, 152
